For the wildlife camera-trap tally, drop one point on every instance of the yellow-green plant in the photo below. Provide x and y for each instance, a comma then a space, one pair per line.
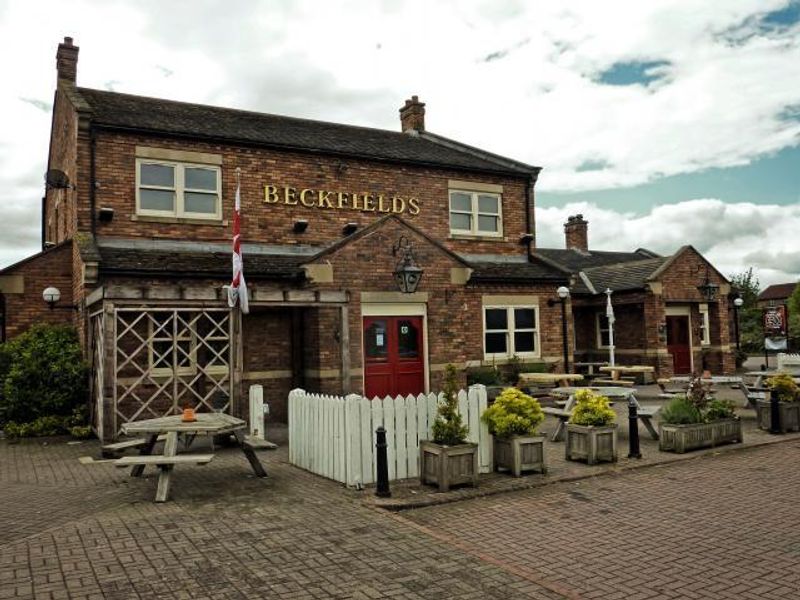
591, 409
784, 387
513, 413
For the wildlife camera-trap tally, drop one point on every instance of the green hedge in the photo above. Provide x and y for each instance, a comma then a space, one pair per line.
43, 374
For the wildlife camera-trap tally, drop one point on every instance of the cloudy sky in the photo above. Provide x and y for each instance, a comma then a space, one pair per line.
664, 122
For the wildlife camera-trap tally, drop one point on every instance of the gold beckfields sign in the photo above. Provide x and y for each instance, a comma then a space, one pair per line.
365, 201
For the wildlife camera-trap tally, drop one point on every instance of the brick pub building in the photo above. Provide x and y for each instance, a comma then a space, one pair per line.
136, 227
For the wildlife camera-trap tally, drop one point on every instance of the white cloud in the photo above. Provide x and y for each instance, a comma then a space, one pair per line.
537, 100
732, 236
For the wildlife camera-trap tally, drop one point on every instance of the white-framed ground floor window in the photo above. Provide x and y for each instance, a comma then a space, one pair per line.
510, 330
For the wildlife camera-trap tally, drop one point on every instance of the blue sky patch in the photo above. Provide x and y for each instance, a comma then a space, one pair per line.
785, 17
634, 72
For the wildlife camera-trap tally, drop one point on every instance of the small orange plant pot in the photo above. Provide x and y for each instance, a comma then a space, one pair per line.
188, 415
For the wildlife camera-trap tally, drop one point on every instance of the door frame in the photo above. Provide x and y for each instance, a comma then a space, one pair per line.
405, 309
683, 311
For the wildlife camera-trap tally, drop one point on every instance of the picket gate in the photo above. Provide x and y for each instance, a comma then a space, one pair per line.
334, 436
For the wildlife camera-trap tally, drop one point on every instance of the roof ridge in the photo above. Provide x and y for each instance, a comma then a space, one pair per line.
485, 154
242, 111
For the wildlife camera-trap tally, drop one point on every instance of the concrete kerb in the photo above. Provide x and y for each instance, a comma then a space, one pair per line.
536, 481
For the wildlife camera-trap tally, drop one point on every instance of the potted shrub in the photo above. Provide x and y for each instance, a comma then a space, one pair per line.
697, 421
448, 459
512, 420
591, 430
787, 392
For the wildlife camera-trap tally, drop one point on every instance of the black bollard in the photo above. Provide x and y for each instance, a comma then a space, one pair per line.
774, 414
382, 490
633, 429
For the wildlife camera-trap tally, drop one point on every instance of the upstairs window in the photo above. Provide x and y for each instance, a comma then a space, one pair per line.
171, 189
475, 213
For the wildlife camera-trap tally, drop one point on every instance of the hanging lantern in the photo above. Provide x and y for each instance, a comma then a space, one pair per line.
406, 274
708, 289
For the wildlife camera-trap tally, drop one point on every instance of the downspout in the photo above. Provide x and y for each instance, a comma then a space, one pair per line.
530, 238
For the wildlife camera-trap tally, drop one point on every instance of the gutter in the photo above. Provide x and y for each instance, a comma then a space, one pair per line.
92, 182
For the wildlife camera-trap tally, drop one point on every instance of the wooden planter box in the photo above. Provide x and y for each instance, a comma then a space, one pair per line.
445, 466
788, 412
520, 453
682, 438
592, 444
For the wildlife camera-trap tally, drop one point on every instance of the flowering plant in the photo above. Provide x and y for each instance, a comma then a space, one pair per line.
513, 413
592, 409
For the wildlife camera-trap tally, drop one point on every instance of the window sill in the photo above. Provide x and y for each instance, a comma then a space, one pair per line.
476, 237
181, 220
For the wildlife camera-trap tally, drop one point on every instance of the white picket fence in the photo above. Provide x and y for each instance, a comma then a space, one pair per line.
335, 437
788, 361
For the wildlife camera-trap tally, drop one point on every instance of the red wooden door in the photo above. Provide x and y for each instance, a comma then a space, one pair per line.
678, 344
393, 356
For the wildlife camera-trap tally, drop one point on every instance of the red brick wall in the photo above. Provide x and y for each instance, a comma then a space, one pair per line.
262, 222
60, 205
52, 268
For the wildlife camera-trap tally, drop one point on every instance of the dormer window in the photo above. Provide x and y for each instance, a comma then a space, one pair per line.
174, 189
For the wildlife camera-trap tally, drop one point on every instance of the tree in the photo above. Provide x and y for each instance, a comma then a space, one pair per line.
793, 306
751, 332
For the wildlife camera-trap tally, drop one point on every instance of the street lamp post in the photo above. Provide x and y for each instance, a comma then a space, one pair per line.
738, 302
563, 294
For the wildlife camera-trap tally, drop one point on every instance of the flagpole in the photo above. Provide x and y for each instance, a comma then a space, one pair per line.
611, 319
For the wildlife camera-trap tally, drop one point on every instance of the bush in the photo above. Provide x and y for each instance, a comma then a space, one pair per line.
45, 374
483, 376
783, 387
681, 411
448, 430
592, 409
719, 409
513, 413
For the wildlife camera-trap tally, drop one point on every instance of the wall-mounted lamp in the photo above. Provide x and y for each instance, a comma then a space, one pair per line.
526, 238
52, 295
300, 226
58, 180
349, 228
708, 289
105, 214
406, 274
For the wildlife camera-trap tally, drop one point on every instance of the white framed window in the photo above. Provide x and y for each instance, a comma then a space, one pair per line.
174, 189
510, 331
603, 331
705, 329
476, 213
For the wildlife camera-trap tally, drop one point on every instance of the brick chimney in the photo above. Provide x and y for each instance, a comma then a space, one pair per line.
577, 233
67, 62
412, 115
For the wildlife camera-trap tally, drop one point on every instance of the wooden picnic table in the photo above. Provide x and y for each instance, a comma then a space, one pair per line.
645, 413
589, 366
618, 371
172, 426
562, 379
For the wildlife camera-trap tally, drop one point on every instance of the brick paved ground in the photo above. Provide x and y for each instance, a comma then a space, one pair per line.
722, 526
712, 527
76, 531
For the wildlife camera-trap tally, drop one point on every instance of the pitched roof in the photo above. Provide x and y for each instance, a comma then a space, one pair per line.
516, 269
630, 275
575, 260
779, 291
140, 113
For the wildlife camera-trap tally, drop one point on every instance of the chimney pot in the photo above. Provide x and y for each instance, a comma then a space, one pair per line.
576, 231
67, 61
412, 115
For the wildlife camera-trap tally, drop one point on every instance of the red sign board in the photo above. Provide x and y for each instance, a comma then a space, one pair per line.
775, 320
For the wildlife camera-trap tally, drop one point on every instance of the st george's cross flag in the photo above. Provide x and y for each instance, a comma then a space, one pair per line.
237, 292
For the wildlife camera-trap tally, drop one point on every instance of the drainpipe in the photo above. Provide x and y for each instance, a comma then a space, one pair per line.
528, 222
